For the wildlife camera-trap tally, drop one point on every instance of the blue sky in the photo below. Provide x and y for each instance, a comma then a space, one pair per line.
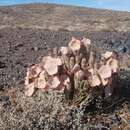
107, 4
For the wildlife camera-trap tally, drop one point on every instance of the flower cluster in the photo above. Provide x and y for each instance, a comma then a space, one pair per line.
63, 67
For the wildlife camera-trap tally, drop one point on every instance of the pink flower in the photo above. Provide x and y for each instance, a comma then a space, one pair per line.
75, 44
30, 89
107, 55
113, 64
94, 80
105, 71
55, 82
80, 74
32, 73
86, 42
51, 65
75, 69
41, 82
65, 80
34, 70
64, 50
104, 81
55, 70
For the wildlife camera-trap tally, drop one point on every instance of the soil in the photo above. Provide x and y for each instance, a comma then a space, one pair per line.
26, 31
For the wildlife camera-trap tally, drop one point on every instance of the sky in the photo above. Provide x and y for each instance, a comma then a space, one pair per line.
123, 5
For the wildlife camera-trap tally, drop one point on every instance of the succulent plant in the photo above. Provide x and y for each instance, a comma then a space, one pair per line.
72, 69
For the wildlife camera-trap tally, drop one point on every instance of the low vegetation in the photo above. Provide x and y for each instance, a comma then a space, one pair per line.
77, 70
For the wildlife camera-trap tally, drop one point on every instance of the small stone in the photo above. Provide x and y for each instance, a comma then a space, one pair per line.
14, 79
35, 48
2, 65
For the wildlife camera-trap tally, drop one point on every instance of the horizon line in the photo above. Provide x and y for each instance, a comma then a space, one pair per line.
76, 5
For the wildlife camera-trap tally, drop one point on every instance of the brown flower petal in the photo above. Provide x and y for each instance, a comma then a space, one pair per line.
66, 81
74, 44
45, 89
41, 83
91, 70
105, 71
51, 65
51, 68
46, 58
104, 81
114, 65
26, 81
58, 61
34, 71
30, 89
95, 81
60, 88
55, 82
64, 50
80, 74
91, 60
86, 42
107, 55
75, 68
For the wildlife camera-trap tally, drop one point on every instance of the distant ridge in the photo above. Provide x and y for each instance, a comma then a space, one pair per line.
55, 17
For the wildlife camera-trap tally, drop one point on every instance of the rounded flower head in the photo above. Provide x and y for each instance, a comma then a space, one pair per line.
64, 50
80, 74
86, 42
30, 89
105, 71
41, 83
63, 70
75, 44
114, 65
55, 82
34, 70
107, 55
94, 80
51, 65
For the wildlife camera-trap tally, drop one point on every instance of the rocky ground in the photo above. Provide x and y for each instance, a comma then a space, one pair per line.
26, 31
20, 48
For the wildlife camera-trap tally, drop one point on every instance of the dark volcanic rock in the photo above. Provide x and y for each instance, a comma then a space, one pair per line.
20, 48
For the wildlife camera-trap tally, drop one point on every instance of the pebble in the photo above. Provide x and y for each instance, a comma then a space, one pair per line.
36, 48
